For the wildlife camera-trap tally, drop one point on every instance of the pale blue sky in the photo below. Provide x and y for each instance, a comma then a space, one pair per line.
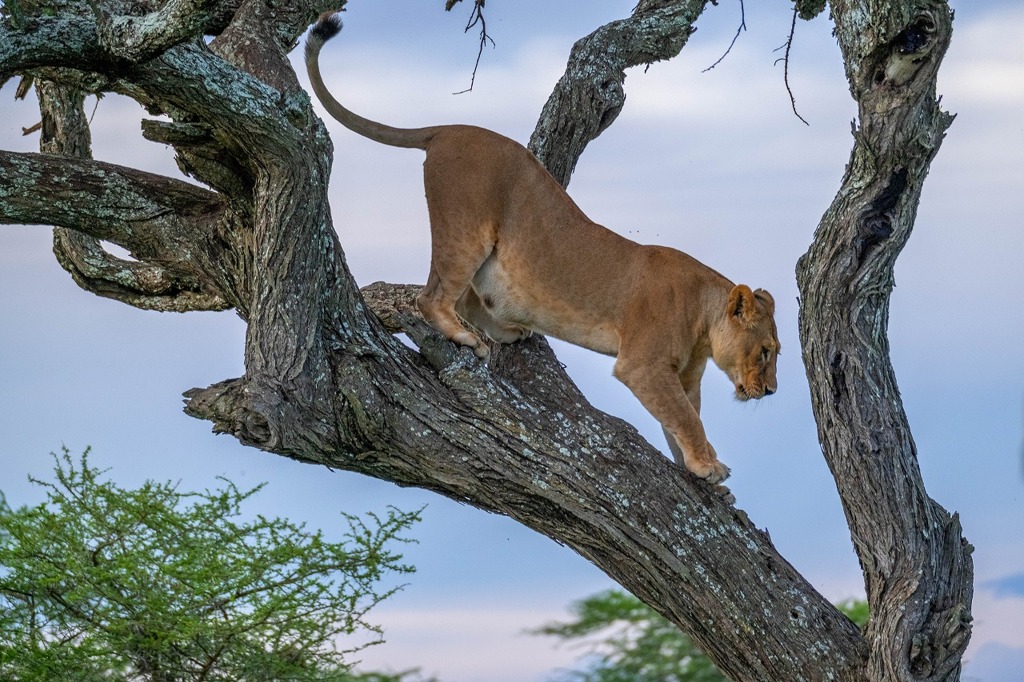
712, 163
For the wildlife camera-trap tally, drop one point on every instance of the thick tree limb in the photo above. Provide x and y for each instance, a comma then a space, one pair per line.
590, 95
521, 441
129, 207
917, 565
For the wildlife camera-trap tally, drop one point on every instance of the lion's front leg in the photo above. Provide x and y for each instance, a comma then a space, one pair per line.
659, 389
714, 466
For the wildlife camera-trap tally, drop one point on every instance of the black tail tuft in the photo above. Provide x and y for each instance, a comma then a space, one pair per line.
326, 27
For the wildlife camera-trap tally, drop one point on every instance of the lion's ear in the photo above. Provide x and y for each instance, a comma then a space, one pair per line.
766, 298
742, 305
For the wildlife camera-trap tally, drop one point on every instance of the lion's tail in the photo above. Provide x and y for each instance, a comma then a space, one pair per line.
326, 27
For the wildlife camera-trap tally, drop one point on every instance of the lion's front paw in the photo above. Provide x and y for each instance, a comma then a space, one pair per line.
705, 466
711, 471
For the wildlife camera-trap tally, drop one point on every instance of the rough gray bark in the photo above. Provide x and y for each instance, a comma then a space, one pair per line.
327, 383
917, 565
589, 97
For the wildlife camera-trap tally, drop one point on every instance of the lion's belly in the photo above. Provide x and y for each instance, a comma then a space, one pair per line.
543, 308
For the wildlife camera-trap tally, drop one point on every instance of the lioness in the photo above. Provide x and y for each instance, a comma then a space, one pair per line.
511, 253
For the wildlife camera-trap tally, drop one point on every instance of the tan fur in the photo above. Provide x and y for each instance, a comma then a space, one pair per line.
511, 253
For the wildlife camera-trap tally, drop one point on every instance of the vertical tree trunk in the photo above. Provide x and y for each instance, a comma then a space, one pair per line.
917, 566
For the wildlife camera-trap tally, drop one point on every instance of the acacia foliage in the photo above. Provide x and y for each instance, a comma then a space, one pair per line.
100, 582
628, 641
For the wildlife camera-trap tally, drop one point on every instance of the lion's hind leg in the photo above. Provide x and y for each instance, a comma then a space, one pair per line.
437, 305
459, 246
462, 236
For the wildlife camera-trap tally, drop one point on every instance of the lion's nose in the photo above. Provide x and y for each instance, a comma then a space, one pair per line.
769, 391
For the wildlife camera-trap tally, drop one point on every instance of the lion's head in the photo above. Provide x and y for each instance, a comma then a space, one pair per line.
746, 345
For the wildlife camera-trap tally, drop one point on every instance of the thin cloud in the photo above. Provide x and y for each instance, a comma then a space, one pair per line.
1007, 586
994, 663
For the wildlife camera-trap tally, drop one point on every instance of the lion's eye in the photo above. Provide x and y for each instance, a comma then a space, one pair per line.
765, 354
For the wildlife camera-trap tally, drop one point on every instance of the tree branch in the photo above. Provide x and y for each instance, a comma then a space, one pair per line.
221, 95
262, 34
739, 29
138, 38
476, 17
141, 285
157, 285
590, 95
163, 221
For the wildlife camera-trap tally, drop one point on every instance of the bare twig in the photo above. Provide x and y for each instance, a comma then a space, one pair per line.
785, 68
742, 27
95, 107
477, 17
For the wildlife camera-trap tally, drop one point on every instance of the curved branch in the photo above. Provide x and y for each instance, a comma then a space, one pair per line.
521, 441
589, 96
141, 285
170, 223
65, 132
